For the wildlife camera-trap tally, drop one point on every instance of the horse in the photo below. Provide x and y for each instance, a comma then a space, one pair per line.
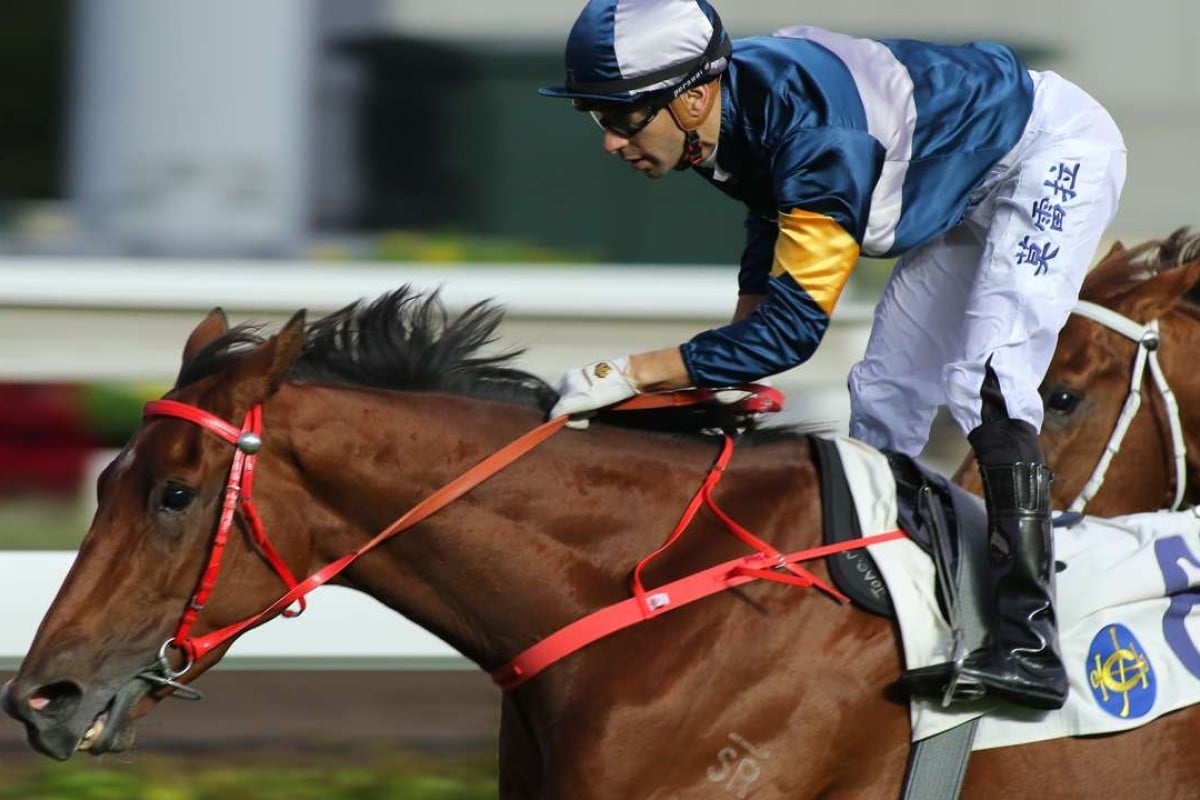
1114, 451
767, 688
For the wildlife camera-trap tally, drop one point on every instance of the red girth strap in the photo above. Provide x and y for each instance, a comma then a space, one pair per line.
766, 564
676, 594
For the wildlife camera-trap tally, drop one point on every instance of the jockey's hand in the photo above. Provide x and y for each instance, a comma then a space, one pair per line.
585, 390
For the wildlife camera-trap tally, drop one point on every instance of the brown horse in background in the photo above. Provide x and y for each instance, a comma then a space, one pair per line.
368, 411
1089, 379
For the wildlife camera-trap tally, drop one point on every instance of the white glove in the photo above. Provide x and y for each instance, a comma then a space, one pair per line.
584, 390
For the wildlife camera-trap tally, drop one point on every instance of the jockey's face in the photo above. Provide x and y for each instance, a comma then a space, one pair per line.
647, 139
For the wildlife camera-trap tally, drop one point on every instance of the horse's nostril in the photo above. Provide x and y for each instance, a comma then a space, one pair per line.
56, 700
6, 704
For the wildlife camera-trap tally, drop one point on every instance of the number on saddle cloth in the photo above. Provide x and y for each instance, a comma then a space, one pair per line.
734, 409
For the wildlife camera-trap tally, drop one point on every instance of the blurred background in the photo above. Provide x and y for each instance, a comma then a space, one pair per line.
161, 158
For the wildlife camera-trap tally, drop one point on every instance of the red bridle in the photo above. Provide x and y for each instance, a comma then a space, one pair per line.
239, 496
766, 563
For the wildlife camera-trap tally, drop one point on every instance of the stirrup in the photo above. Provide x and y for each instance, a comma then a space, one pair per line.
957, 691
945, 681
955, 664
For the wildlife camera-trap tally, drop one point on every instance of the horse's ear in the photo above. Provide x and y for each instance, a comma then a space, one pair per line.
286, 346
1114, 252
1114, 260
1155, 296
213, 326
263, 371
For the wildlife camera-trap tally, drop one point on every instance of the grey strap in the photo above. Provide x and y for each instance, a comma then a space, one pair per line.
936, 765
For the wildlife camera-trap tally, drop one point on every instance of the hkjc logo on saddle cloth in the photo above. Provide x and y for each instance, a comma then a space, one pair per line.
1128, 606
1121, 676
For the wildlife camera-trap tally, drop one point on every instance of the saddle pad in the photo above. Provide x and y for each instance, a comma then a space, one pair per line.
1130, 637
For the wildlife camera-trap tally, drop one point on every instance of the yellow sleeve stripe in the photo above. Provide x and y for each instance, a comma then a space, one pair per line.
817, 253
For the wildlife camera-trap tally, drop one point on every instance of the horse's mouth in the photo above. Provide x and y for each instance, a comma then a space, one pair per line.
112, 731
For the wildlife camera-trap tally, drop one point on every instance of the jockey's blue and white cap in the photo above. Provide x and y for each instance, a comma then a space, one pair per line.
638, 51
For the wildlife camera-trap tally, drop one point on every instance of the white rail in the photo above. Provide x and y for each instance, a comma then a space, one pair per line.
319, 637
563, 291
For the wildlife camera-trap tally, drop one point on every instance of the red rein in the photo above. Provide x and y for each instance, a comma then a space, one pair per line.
766, 563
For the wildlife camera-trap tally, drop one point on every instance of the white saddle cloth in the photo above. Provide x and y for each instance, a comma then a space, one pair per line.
1128, 631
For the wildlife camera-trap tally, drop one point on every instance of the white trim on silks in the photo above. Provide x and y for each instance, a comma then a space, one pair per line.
1148, 341
1130, 648
640, 46
887, 94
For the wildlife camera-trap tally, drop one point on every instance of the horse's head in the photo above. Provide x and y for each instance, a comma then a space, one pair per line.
82, 684
1088, 381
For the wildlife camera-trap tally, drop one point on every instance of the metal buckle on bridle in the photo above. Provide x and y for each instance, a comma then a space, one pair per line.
162, 674
249, 443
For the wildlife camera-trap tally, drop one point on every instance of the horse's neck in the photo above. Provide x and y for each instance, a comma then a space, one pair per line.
539, 545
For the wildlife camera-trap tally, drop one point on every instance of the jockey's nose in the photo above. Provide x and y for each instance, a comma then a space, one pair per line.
613, 142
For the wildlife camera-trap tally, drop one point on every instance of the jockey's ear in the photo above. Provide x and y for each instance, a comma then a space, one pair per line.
1154, 297
692, 107
213, 326
263, 371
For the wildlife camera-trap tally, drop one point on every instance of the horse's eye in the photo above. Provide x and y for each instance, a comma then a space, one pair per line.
175, 497
1062, 401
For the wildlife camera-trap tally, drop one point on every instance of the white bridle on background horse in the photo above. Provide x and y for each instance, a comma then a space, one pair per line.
1148, 341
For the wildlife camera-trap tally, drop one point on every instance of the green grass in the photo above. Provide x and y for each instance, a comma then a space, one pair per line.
298, 777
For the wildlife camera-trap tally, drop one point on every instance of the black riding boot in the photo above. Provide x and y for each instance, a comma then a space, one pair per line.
1020, 660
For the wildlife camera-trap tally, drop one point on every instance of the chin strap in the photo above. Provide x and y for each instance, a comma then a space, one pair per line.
692, 154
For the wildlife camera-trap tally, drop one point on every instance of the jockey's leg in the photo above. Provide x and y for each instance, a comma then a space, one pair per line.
897, 387
1044, 211
1023, 663
1020, 660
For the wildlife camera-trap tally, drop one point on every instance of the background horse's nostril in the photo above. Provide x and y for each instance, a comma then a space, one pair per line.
55, 699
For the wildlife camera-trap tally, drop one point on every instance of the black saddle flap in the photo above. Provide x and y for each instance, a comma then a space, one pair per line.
928, 506
853, 571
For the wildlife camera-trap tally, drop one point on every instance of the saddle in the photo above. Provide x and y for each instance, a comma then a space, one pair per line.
946, 521
735, 409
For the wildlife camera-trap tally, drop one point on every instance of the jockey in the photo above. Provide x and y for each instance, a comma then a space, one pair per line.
993, 184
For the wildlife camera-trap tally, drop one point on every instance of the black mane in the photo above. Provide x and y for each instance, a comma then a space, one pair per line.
403, 340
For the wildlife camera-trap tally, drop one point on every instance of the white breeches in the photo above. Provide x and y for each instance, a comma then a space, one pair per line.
998, 287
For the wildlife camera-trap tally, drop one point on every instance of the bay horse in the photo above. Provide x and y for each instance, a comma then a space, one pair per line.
767, 691
1139, 307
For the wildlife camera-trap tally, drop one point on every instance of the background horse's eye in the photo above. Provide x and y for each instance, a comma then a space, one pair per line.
175, 498
1061, 401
